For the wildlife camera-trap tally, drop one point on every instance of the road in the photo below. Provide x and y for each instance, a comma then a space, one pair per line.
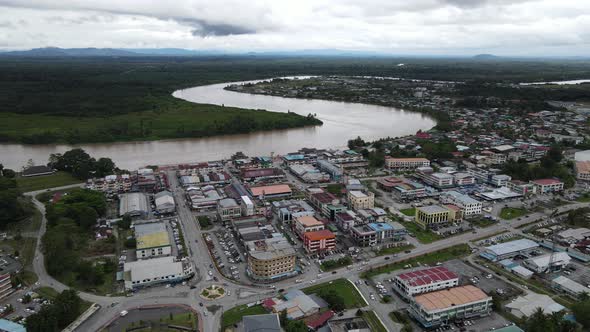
240, 293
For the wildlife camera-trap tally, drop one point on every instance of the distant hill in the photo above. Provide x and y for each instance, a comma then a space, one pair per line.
486, 57
57, 52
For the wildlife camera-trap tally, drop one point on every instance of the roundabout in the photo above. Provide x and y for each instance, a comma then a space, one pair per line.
212, 292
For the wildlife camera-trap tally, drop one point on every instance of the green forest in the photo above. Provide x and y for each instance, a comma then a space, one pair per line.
102, 99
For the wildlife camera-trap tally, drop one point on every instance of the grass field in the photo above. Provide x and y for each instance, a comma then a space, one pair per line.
235, 314
511, 213
373, 321
430, 258
352, 298
46, 181
482, 222
424, 236
585, 198
410, 212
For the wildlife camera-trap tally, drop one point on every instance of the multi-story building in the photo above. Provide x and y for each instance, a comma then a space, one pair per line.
164, 202
520, 187
463, 179
544, 186
322, 201
272, 191
228, 209
5, 285
375, 233
248, 207
335, 171
436, 179
469, 205
359, 200
426, 280
500, 180
402, 188
152, 240
319, 241
405, 163
262, 174
270, 259
583, 170
432, 216
286, 210
346, 220
444, 306
306, 224
482, 175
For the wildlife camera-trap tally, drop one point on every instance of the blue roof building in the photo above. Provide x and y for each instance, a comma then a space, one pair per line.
8, 326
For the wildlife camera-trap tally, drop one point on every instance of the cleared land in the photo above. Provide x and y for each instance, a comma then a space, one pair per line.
26, 184
352, 298
511, 213
410, 212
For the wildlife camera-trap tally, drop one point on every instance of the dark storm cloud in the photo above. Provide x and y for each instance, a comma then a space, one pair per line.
205, 29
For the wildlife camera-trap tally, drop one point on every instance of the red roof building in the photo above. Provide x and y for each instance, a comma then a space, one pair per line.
426, 280
319, 240
318, 321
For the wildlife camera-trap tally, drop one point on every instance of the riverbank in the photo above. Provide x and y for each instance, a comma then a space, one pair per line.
170, 118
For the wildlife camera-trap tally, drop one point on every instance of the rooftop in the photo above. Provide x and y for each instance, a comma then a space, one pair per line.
308, 221
319, 235
151, 235
154, 267
545, 182
430, 209
512, 246
583, 166
271, 190
451, 297
427, 276
266, 323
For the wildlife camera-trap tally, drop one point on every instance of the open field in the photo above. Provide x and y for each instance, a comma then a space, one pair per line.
234, 315
352, 299
424, 236
410, 212
33, 183
511, 213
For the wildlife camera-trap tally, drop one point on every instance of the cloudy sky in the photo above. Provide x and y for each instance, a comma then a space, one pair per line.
504, 27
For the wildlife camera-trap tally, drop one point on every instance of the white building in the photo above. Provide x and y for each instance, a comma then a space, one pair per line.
406, 163
439, 180
540, 264
144, 273
469, 205
569, 286
544, 186
133, 204
500, 180
463, 179
247, 206
152, 240
426, 280
525, 306
164, 202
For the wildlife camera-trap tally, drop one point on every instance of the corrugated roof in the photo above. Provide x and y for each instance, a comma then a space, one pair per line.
451, 297
427, 276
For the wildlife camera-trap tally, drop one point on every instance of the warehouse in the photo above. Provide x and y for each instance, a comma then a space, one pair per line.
426, 280
569, 286
510, 249
149, 272
444, 306
133, 205
540, 264
526, 306
164, 202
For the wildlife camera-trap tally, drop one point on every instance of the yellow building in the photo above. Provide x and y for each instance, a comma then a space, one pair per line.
359, 200
270, 259
432, 215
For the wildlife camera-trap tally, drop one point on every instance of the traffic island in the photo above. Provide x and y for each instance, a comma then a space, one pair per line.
212, 292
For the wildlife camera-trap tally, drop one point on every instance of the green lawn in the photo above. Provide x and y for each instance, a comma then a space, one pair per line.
430, 258
482, 222
57, 179
374, 322
585, 198
235, 314
410, 212
47, 292
511, 213
352, 298
424, 236
394, 250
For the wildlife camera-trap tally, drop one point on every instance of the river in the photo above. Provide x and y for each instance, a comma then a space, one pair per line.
342, 121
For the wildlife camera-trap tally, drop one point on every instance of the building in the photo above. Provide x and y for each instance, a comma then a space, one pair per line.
335, 171
306, 224
164, 202
353, 324
526, 306
261, 323
143, 273
583, 170
152, 240
445, 306
437, 179
262, 174
541, 264
204, 198
297, 304
228, 209
248, 208
569, 287
544, 186
322, 201
388, 231
270, 259
359, 200
432, 216
573, 235
469, 205
319, 241
133, 205
404, 164
402, 188
8, 267
500, 180
463, 179
427, 280
10, 326
520, 187
286, 210
273, 191
509, 249
308, 173
37, 171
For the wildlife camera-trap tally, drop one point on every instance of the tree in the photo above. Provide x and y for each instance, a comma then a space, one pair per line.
283, 317
334, 300
8, 173
296, 326
104, 167
581, 310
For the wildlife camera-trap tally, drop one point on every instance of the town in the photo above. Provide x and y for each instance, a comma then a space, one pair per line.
479, 224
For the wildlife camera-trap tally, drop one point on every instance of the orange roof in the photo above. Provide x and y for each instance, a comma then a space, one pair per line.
446, 298
319, 235
453, 207
271, 190
308, 221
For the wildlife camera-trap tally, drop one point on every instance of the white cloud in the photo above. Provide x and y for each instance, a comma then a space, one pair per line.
520, 27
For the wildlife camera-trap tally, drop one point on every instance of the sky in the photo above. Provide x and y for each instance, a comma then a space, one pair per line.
402, 27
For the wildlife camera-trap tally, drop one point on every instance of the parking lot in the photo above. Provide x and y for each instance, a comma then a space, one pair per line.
21, 304
226, 253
